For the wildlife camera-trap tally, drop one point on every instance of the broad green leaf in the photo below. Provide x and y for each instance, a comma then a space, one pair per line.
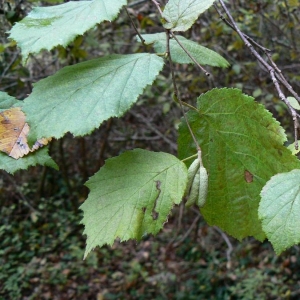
39, 157
279, 210
132, 196
242, 148
7, 101
180, 15
79, 98
202, 55
47, 27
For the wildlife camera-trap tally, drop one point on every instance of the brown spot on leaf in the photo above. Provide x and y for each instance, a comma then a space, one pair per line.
155, 215
248, 176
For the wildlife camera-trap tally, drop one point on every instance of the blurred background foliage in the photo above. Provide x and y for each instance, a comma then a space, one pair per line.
41, 242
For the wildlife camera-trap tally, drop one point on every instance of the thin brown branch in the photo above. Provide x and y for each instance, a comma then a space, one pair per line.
157, 6
245, 35
134, 26
187, 232
189, 55
227, 241
176, 92
154, 129
103, 144
273, 70
136, 3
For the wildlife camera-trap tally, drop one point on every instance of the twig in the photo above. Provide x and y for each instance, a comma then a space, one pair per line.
180, 44
273, 70
181, 209
227, 241
64, 170
135, 28
176, 92
103, 144
24, 199
15, 56
142, 118
135, 137
282, 79
187, 232
139, 2
190, 157
232, 27
189, 55
157, 6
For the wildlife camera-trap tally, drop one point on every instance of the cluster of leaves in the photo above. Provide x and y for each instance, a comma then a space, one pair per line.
132, 195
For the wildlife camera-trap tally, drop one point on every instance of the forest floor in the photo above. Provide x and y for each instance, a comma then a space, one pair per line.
42, 258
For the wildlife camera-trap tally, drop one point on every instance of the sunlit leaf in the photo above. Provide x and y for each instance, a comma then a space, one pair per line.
132, 196
202, 55
279, 210
79, 98
47, 27
180, 15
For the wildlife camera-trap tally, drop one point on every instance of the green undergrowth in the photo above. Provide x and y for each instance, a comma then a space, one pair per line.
42, 257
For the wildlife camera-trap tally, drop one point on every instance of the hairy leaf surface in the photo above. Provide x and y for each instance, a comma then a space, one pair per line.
279, 210
242, 148
131, 196
79, 98
202, 55
182, 14
47, 27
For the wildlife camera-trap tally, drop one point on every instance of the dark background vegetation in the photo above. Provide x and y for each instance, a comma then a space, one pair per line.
41, 242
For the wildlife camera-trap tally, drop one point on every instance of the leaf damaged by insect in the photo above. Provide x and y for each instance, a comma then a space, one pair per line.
131, 196
235, 134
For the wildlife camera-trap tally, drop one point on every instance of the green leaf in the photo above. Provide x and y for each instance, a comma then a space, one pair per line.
242, 148
39, 157
180, 15
294, 103
292, 148
279, 210
202, 55
7, 101
47, 27
79, 97
131, 196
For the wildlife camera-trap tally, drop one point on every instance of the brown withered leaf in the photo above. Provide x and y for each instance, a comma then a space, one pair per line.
13, 134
